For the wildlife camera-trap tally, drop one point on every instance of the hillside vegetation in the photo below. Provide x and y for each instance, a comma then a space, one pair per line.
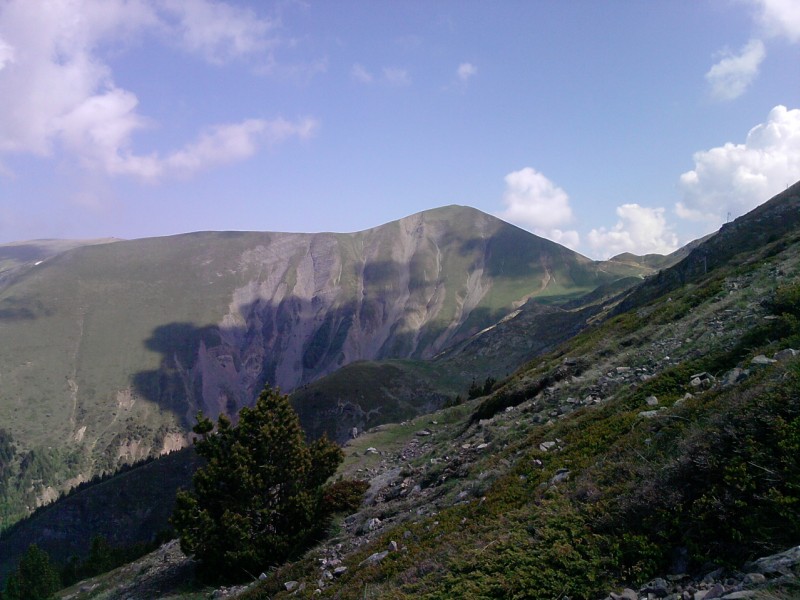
113, 348
662, 441
652, 442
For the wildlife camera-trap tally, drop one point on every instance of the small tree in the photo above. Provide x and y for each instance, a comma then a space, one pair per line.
34, 579
258, 499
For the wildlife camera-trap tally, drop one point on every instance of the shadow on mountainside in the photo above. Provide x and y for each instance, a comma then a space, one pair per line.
288, 344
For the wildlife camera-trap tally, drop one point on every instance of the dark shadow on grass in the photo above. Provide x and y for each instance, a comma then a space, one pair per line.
293, 342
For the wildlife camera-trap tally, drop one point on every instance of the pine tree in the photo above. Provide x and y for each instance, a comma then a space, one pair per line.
34, 579
258, 499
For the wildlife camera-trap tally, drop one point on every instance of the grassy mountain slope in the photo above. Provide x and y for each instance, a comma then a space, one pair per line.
658, 439
661, 439
111, 349
651, 444
18, 257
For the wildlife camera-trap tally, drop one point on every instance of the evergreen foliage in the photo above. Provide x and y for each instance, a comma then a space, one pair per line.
259, 498
34, 579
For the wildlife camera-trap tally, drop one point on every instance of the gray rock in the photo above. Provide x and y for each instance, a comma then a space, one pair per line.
762, 360
649, 414
651, 401
374, 559
262, 577
740, 595
423, 433
712, 576
392, 546
561, 475
545, 446
751, 578
354, 432
290, 585
734, 376
371, 450
658, 587
785, 354
715, 591
339, 571
777, 564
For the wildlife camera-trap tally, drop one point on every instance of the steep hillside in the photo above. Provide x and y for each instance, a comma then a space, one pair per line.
112, 349
661, 441
18, 257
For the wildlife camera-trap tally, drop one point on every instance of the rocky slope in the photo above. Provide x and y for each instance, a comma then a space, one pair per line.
661, 441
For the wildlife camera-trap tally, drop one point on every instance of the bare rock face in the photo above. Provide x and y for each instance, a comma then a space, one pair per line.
311, 304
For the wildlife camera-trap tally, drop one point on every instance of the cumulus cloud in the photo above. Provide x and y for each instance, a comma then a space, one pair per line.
466, 71
534, 200
640, 230
735, 178
59, 94
732, 75
780, 18
536, 203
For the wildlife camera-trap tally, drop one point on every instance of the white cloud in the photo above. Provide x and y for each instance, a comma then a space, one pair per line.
6, 54
360, 74
536, 203
466, 71
396, 76
59, 94
571, 239
735, 178
640, 230
227, 143
216, 30
733, 74
780, 18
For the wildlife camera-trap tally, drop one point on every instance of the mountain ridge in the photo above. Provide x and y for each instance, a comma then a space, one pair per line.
636, 448
117, 346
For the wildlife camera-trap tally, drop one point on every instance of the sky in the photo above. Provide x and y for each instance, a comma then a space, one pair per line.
615, 126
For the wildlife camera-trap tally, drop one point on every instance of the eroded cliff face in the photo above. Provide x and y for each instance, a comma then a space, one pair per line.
313, 303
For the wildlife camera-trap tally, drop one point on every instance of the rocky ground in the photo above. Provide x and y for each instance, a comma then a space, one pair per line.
420, 467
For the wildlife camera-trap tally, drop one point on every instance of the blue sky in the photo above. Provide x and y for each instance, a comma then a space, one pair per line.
607, 126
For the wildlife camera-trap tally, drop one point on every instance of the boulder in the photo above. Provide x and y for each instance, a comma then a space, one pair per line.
762, 360
374, 559
785, 354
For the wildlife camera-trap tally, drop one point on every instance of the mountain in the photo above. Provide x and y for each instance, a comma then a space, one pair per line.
18, 257
111, 349
656, 447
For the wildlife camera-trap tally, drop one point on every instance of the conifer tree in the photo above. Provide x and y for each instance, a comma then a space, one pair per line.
34, 579
258, 499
